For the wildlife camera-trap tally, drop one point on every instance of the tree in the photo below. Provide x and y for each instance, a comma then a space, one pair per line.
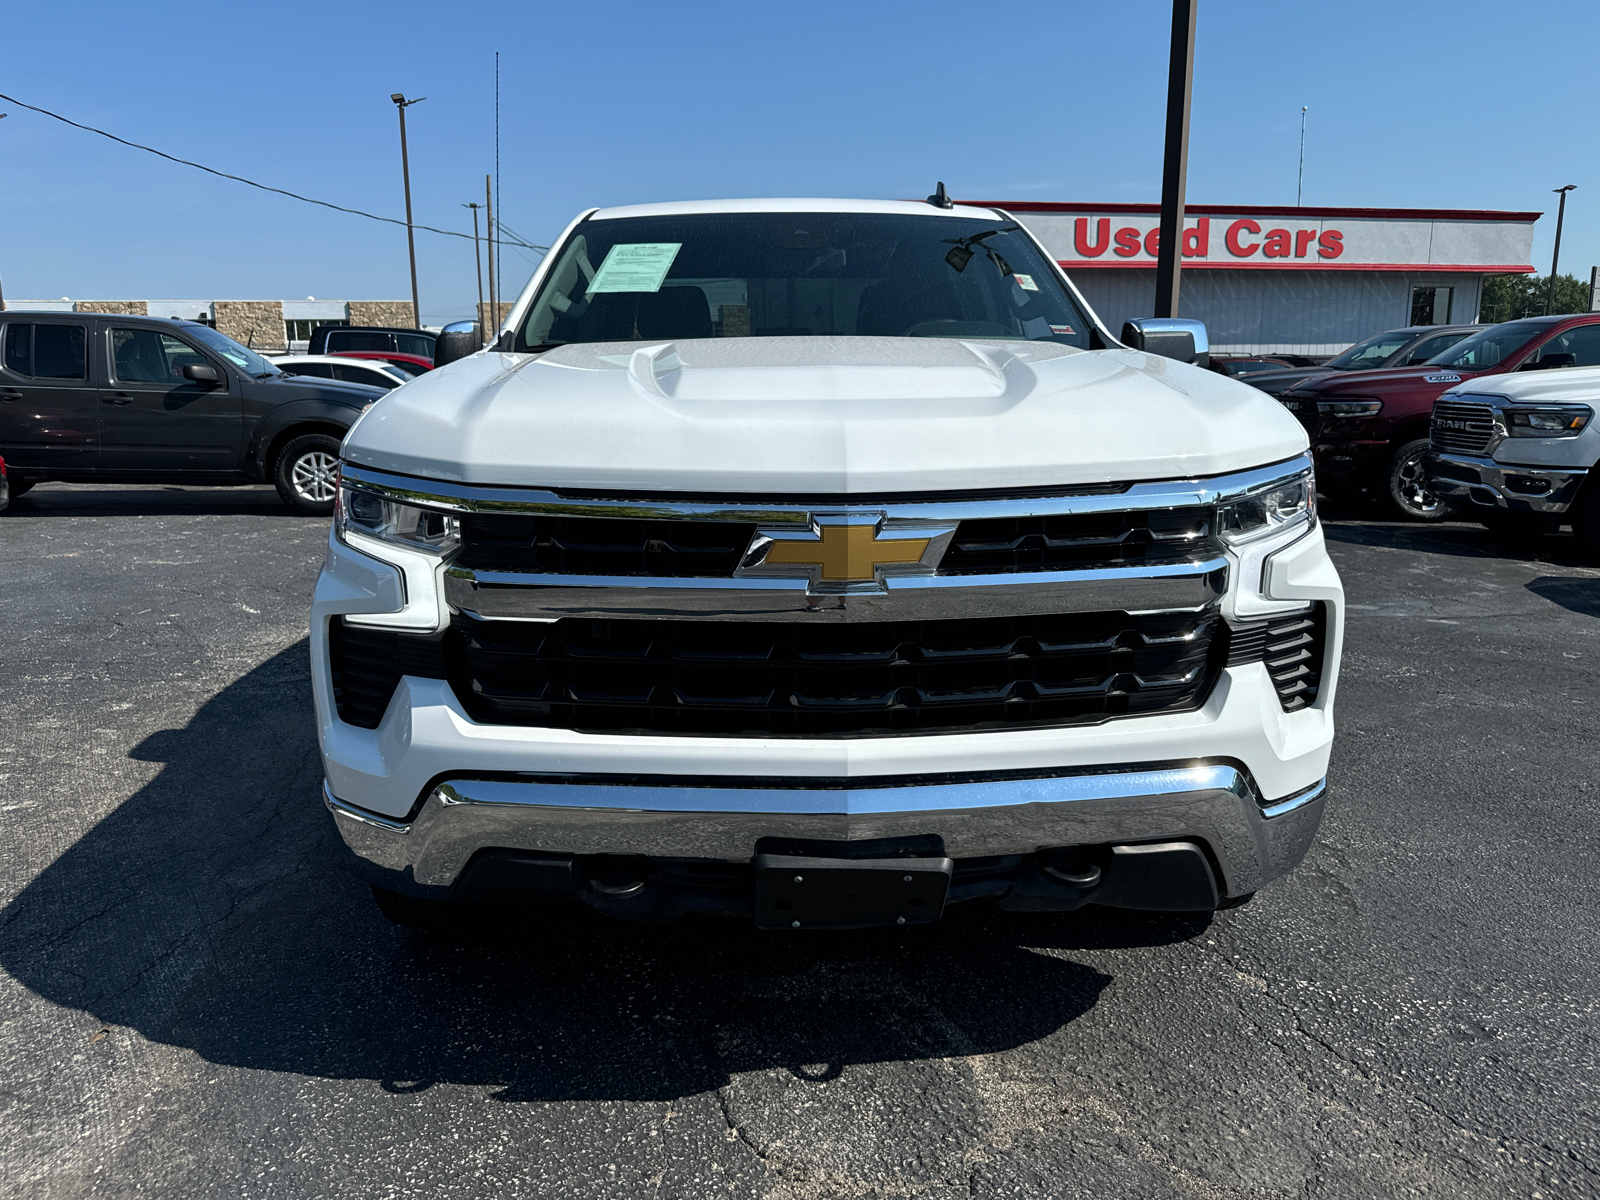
1509, 297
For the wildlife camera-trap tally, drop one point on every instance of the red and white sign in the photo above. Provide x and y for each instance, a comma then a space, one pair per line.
1353, 239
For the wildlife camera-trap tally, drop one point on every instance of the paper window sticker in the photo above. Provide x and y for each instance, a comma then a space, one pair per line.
1026, 283
1066, 329
635, 267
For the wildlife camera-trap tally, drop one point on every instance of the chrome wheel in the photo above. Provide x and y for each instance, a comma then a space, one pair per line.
1409, 488
314, 477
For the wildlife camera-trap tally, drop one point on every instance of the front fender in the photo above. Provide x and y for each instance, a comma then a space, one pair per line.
316, 412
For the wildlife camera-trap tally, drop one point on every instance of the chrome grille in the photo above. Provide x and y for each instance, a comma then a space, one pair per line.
1461, 427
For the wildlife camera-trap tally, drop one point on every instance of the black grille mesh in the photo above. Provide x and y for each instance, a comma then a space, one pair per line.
602, 545
784, 678
367, 666
1294, 648
1063, 541
585, 545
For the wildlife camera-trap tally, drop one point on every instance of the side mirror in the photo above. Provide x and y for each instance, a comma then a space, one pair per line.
456, 340
1170, 337
202, 373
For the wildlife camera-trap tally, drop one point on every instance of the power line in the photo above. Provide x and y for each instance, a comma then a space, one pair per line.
355, 212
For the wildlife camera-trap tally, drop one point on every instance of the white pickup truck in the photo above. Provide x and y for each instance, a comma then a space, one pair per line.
1518, 452
823, 563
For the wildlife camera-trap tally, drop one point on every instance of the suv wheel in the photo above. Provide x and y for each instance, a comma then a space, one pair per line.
1409, 491
307, 474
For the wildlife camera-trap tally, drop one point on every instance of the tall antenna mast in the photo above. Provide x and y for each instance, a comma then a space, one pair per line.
494, 242
1300, 180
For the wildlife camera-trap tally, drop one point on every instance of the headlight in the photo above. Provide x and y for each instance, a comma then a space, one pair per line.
376, 516
1270, 509
1556, 421
1350, 408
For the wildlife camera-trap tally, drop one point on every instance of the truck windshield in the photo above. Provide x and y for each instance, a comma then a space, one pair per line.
1489, 348
248, 361
711, 275
1373, 352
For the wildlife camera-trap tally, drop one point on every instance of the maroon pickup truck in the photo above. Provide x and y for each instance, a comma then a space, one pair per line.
1369, 429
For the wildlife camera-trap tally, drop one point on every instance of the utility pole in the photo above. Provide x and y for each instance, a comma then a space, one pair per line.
1555, 256
1175, 165
1300, 178
2, 289
477, 261
494, 290
401, 104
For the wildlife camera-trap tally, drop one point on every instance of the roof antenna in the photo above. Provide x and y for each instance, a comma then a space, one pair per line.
939, 199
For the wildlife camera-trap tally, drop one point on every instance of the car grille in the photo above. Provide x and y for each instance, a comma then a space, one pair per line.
584, 545
786, 678
1294, 649
1462, 428
602, 545
1065, 541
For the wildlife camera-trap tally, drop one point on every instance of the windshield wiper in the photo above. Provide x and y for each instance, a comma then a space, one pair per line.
543, 346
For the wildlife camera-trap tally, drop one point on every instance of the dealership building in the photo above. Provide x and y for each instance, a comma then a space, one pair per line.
1288, 280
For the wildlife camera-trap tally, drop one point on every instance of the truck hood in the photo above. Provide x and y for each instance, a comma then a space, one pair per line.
838, 415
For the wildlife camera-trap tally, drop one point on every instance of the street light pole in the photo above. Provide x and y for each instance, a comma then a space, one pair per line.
1555, 256
401, 104
2, 289
477, 260
1175, 166
1300, 176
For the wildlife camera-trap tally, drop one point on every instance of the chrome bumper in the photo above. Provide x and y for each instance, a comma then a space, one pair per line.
1020, 814
1472, 482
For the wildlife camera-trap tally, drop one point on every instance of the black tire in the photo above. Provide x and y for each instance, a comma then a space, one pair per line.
304, 474
409, 912
1407, 485
1235, 901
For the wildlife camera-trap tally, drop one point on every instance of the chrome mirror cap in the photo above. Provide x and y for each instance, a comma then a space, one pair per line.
1171, 337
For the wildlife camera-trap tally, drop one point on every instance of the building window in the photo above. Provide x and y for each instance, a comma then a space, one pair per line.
1431, 305
300, 331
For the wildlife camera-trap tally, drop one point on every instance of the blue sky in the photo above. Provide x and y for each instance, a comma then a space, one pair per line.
1411, 104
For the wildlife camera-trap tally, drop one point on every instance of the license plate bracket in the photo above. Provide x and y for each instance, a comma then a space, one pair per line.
849, 893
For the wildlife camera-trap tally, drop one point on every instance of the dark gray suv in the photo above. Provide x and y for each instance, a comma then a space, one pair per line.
86, 396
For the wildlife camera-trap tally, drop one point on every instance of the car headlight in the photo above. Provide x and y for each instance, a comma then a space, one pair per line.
1279, 505
1552, 421
373, 515
1350, 408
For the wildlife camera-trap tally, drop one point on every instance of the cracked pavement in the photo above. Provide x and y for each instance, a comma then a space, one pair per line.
196, 1000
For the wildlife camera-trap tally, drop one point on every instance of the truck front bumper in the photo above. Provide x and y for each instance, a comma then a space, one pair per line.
1471, 482
999, 829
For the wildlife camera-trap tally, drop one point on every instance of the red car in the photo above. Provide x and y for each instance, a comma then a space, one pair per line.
1369, 429
5, 486
411, 364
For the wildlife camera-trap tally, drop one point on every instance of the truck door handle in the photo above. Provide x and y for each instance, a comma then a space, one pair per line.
10, 394
118, 398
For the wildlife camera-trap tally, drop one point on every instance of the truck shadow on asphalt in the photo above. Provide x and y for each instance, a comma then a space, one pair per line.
211, 911
1460, 541
49, 500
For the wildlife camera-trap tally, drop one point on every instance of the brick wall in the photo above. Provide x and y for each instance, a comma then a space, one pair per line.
254, 323
395, 314
120, 308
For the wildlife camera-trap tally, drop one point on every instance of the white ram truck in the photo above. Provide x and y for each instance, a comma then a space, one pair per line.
1518, 452
823, 563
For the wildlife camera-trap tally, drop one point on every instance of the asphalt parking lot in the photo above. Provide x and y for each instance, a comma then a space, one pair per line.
197, 1001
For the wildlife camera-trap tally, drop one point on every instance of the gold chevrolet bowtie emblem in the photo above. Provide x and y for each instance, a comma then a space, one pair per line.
839, 552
